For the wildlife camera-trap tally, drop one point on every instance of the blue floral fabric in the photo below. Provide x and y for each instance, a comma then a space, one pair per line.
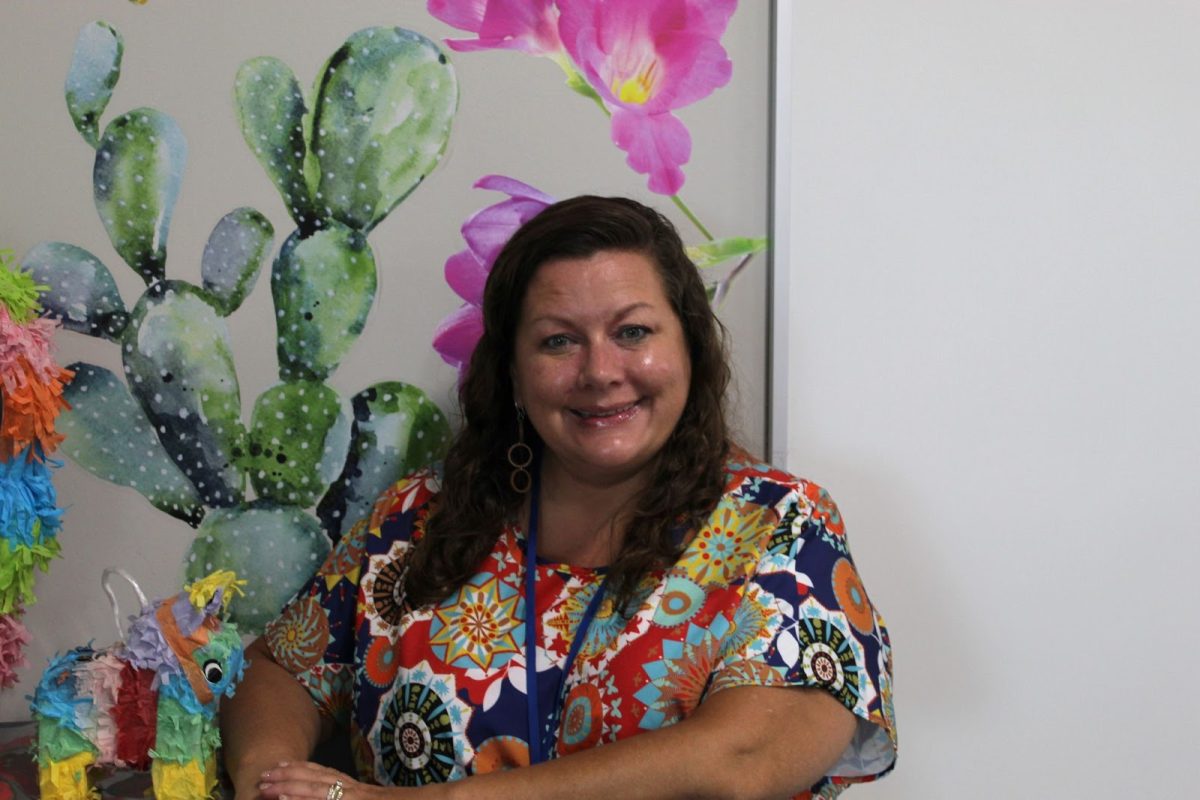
764, 594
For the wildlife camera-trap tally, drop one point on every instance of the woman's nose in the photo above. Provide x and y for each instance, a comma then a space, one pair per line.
601, 365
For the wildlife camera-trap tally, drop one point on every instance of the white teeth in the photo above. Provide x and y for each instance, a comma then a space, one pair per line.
592, 415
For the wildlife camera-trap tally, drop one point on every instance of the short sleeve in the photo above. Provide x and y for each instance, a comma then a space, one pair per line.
316, 635
313, 637
805, 620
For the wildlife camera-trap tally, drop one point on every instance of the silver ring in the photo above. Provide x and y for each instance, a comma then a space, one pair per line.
335, 791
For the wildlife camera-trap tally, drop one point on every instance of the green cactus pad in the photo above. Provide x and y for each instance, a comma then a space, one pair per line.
323, 287
108, 435
179, 363
381, 120
397, 429
135, 182
277, 547
234, 256
297, 443
271, 110
95, 68
82, 291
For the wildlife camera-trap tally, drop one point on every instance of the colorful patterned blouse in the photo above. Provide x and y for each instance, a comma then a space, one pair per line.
765, 594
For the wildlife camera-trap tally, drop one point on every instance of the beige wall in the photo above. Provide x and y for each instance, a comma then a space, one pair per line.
515, 118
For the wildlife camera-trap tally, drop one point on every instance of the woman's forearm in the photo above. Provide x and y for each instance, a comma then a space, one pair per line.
270, 718
751, 742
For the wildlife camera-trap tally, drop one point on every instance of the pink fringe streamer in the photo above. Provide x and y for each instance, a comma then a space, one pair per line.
33, 342
13, 638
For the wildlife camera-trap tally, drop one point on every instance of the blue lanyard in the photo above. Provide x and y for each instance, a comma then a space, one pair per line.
540, 748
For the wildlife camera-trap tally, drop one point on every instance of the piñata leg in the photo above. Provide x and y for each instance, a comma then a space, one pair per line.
64, 752
185, 761
66, 779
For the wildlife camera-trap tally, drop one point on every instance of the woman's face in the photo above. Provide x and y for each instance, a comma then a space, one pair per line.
600, 364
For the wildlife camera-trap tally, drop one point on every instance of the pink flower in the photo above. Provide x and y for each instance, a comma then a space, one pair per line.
486, 232
646, 58
530, 26
13, 637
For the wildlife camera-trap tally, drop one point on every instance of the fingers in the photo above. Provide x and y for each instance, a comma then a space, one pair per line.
306, 781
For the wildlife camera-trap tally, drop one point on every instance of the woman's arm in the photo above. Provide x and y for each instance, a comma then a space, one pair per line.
270, 718
744, 742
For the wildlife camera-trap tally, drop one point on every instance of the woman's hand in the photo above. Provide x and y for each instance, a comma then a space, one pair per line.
305, 780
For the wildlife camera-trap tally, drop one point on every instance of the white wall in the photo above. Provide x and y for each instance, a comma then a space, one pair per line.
995, 368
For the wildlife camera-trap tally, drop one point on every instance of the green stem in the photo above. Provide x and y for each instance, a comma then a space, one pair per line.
723, 287
677, 200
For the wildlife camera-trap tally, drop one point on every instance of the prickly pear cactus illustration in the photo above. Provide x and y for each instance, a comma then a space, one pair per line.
375, 126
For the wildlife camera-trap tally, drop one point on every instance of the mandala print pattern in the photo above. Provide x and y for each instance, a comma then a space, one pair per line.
606, 626
830, 656
887, 711
347, 560
299, 636
383, 591
381, 663
748, 673
330, 685
403, 496
681, 599
852, 596
419, 738
679, 678
582, 719
826, 511
785, 535
754, 622
475, 627
721, 551
501, 752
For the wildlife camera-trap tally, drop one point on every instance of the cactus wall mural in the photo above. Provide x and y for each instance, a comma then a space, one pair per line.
269, 494
216, 171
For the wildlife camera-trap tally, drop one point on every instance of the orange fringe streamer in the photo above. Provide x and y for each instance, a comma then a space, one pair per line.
29, 410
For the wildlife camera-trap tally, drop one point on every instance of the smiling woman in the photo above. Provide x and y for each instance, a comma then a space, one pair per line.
650, 588
600, 366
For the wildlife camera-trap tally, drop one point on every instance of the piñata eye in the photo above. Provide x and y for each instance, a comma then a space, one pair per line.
213, 671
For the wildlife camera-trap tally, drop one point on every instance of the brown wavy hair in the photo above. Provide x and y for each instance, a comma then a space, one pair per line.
687, 473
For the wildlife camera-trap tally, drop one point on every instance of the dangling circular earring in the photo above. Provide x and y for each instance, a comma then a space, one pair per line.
520, 456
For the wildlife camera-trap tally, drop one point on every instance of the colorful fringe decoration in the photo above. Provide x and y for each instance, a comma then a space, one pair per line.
29, 523
31, 387
18, 291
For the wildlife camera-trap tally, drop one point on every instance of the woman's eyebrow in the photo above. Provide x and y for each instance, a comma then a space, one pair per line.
632, 307
620, 314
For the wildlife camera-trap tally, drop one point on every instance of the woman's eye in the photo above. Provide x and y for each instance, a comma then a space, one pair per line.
634, 333
556, 342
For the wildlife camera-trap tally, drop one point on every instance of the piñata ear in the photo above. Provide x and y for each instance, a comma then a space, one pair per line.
213, 592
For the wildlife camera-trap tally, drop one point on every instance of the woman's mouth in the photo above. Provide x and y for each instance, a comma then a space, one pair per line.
603, 417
